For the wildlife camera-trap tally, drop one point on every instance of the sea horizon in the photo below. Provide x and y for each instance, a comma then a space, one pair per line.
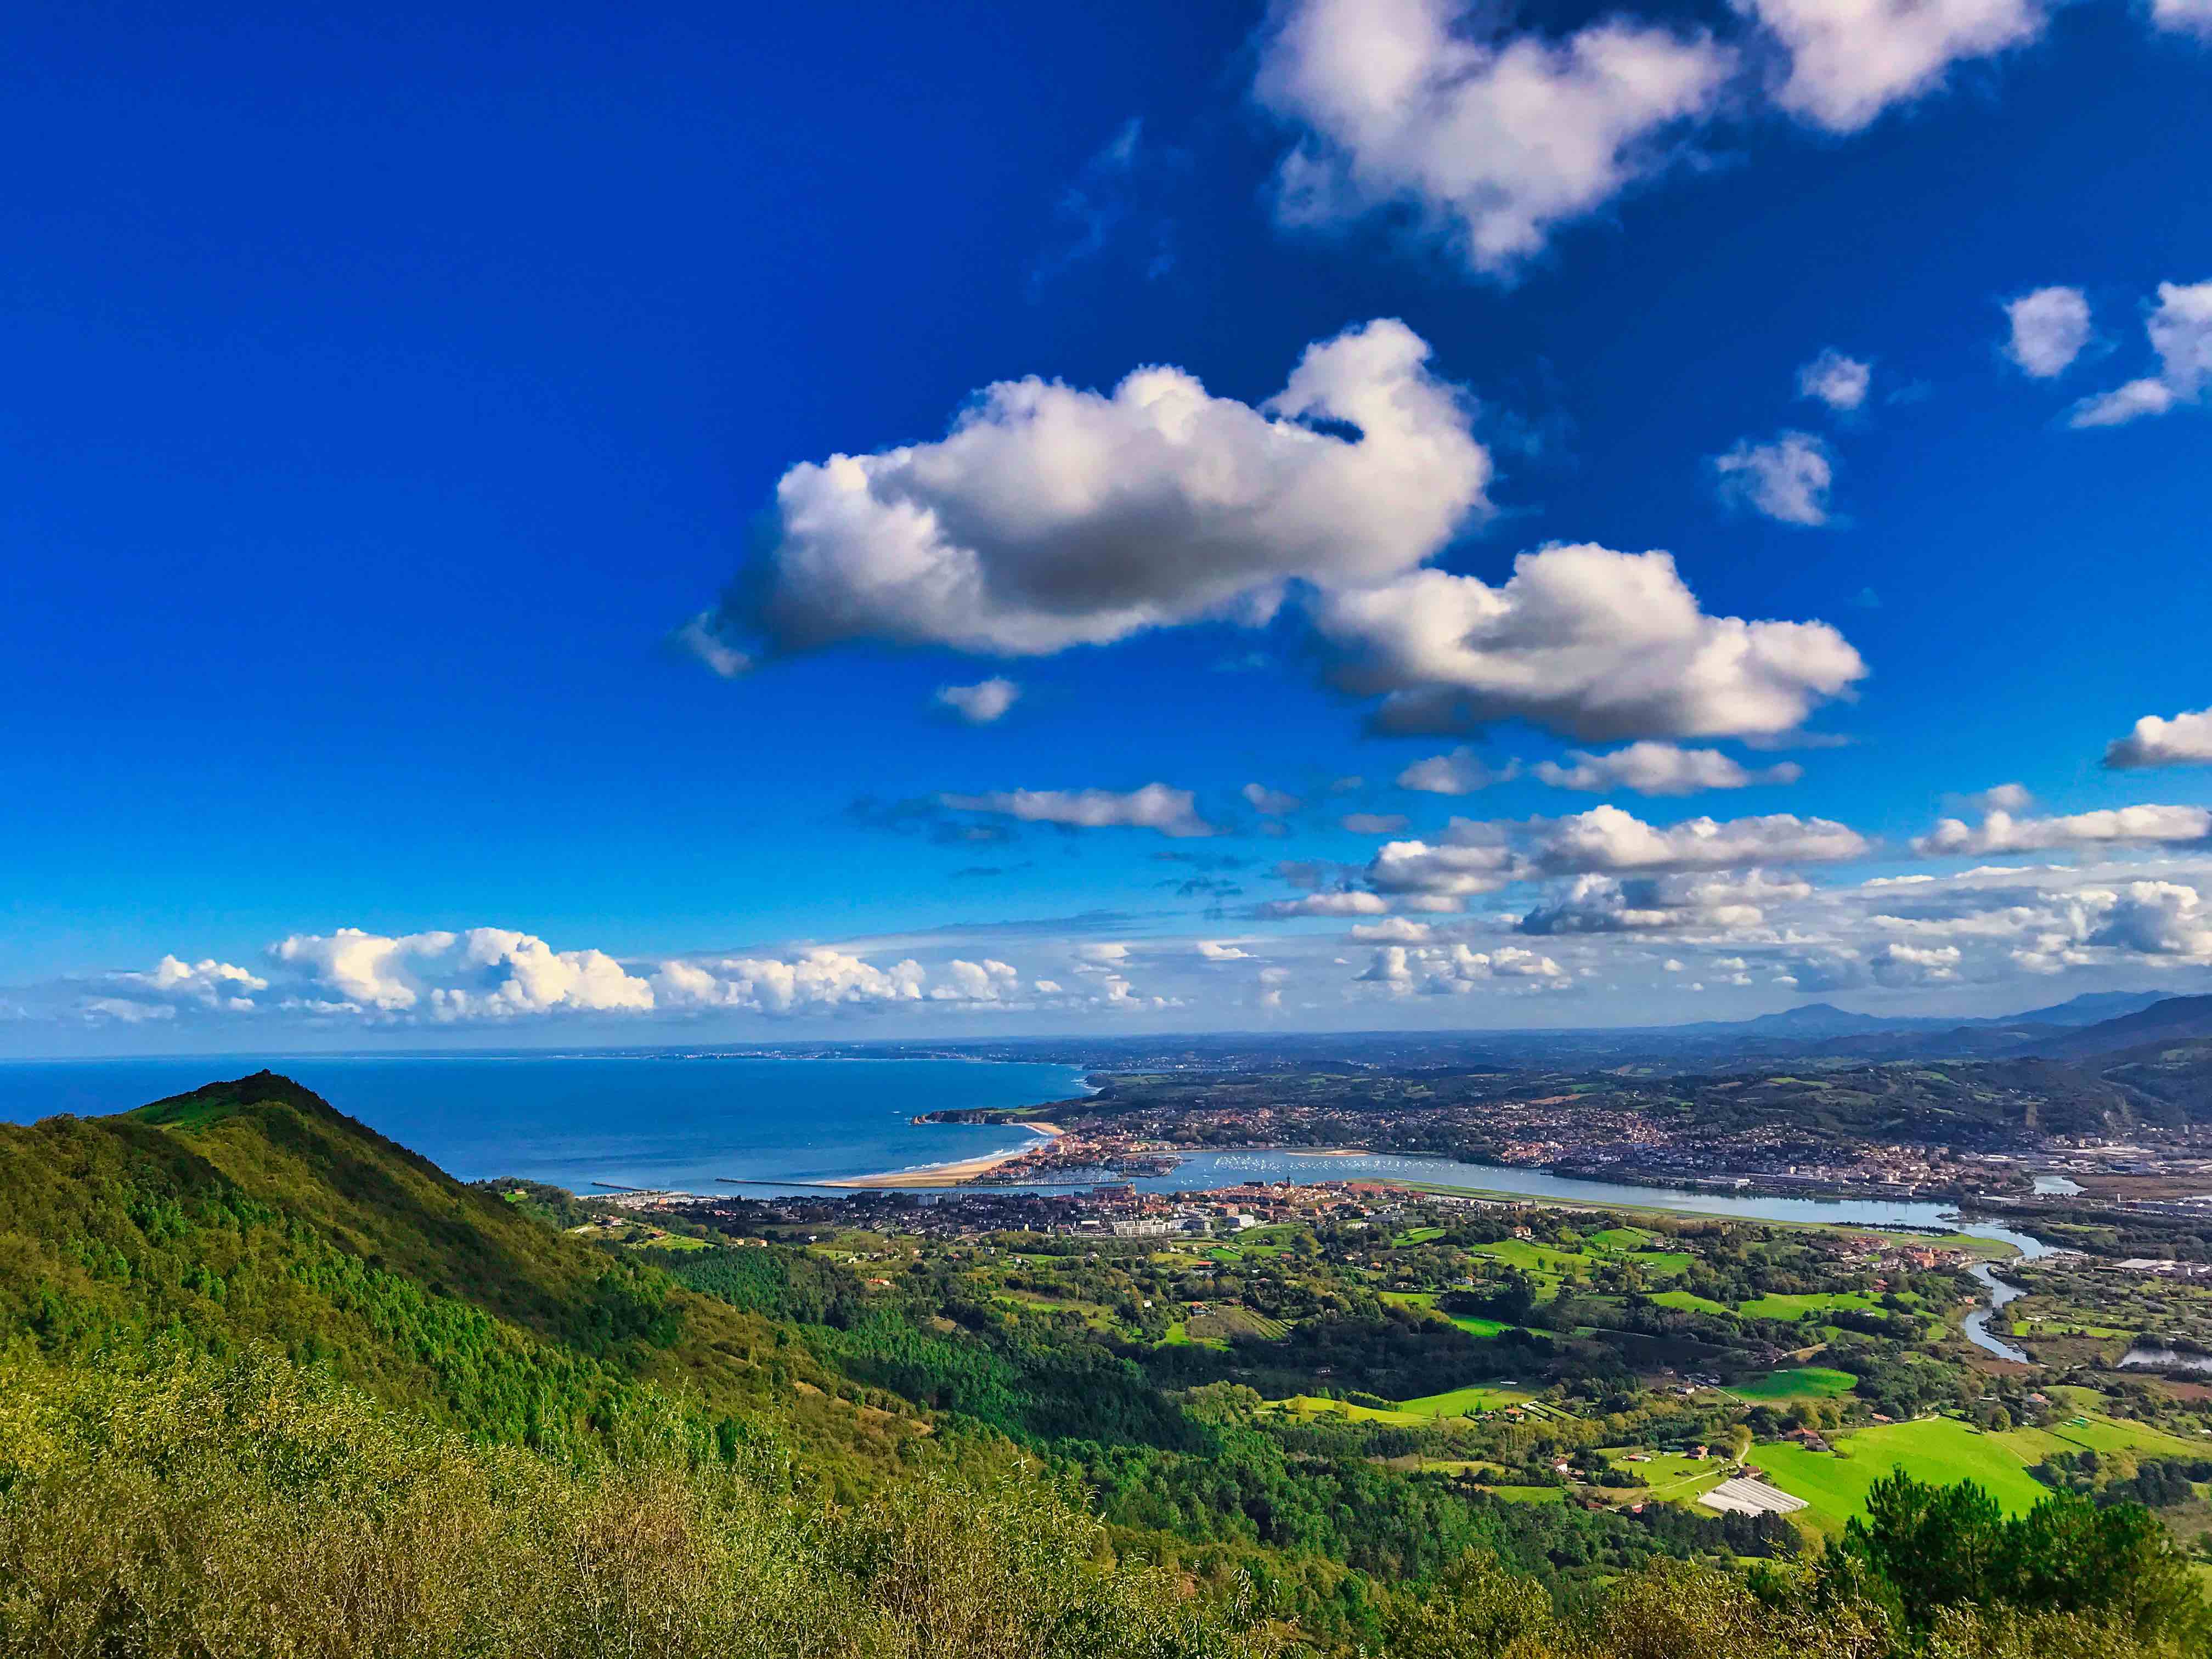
590, 1120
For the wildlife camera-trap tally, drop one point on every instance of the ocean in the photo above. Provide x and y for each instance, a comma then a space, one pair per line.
623, 1120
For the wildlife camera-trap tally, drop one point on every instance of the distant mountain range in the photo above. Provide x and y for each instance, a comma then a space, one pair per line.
2097, 1023
2170, 1019
1818, 1020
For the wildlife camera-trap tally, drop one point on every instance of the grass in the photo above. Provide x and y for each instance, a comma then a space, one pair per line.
1804, 1382
1796, 1307
2089, 1432
1670, 1477
1417, 1236
1685, 1300
1306, 1405
1539, 1258
1459, 1402
1473, 1324
1940, 1450
1620, 1238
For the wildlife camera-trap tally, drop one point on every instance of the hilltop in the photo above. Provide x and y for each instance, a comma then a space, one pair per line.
252, 1211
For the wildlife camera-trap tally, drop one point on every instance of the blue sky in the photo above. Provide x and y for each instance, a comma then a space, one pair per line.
405, 408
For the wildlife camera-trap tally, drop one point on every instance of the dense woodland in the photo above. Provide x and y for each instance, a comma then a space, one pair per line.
274, 1385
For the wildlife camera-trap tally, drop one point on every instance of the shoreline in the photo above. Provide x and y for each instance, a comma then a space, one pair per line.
952, 1173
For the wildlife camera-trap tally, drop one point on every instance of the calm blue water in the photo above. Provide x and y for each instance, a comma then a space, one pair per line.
629, 1121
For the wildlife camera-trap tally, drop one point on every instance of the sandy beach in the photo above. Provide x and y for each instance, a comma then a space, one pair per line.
951, 1174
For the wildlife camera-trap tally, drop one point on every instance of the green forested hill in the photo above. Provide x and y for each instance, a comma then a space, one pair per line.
251, 1213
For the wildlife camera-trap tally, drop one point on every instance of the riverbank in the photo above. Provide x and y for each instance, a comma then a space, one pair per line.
957, 1173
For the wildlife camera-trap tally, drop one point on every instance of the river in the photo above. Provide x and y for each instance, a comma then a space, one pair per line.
1206, 1170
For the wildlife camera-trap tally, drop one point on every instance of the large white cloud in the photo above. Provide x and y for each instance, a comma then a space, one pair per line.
1661, 768
1850, 60
1495, 141
1787, 479
2184, 740
1458, 970
506, 972
1155, 806
1608, 840
1052, 517
1475, 857
361, 970
1665, 904
2003, 832
2157, 919
1442, 871
825, 978
2181, 330
479, 973
1583, 639
2050, 327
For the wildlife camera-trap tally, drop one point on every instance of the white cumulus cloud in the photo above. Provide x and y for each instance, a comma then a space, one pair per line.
1838, 381
2003, 832
1787, 479
208, 983
1850, 60
477, 973
1494, 140
980, 703
1661, 768
1461, 772
2181, 330
2050, 327
1899, 963
1583, 639
1052, 517
2184, 740
1608, 840
1458, 970
1155, 806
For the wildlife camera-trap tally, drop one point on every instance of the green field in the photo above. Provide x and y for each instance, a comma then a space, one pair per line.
2101, 1434
1536, 1258
1418, 1236
1806, 1382
1685, 1301
1621, 1238
1473, 1324
1458, 1402
1796, 1307
1941, 1450
1306, 1405
1670, 1477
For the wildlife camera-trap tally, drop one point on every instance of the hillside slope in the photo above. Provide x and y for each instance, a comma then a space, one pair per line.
252, 1213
